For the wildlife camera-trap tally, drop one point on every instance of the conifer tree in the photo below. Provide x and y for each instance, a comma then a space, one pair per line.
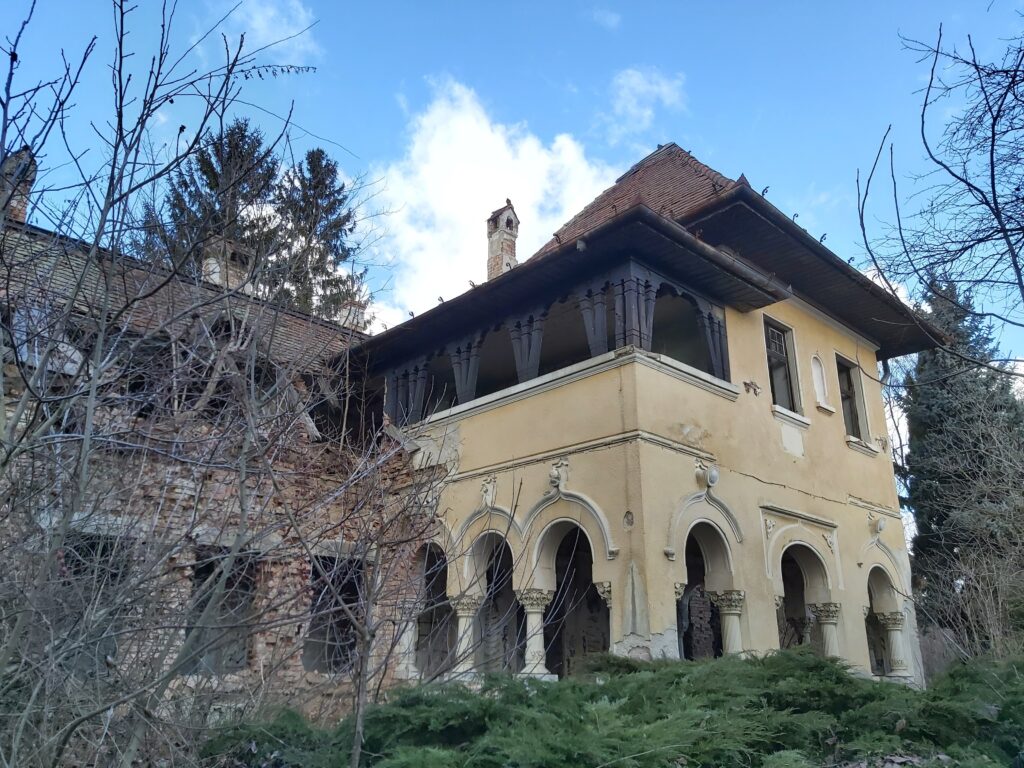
317, 221
223, 190
964, 473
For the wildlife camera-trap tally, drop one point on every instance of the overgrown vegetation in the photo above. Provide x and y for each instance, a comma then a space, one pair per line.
788, 709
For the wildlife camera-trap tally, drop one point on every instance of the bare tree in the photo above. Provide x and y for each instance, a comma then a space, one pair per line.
964, 222
200, 515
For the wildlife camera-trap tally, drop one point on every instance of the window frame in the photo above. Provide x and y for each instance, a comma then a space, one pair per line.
855, 397
792, 367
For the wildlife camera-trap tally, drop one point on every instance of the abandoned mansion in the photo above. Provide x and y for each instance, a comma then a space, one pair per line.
660, 436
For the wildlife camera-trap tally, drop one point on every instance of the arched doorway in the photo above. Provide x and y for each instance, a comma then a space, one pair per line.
435, 624
577, 621
501, 622
804, 583
881, 604
698, 619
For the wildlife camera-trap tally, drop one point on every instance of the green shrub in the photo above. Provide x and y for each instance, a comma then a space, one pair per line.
786, 710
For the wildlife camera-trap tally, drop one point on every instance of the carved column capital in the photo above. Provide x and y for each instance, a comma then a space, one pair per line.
604, 590
825, 613
728, 601
680, 587
467, 605
534, 600
892, 622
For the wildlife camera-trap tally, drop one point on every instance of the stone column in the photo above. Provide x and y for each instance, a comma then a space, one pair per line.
534, 602
827, 615
892, 623
466, 608
730, 606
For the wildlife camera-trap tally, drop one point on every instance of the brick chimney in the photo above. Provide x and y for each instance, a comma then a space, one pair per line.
17, 175
502, 231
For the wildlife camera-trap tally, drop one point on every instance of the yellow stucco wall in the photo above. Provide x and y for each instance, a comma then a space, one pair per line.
616, 443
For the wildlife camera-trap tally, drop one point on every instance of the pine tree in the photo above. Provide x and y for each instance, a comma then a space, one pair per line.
317, 222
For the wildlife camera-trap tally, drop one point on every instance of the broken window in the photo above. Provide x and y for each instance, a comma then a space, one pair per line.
435, 626
778, 341
223, 588
332, 638
849, 397
93, 567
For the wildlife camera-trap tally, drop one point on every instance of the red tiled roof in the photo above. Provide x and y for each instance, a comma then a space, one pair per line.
670, 181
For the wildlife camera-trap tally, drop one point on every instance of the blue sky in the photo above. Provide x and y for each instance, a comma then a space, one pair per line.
452, 107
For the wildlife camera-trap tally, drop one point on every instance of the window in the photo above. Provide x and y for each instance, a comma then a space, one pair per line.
222, 634
779, 341
88, 613
331, 640
849, 396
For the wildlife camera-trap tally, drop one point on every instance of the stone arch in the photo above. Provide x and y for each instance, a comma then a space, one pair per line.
577, 620
715, 552
489, 514
799, 533
590, 518
707, 569
500, 623
803, 581
435, 637
706, 506
883, 601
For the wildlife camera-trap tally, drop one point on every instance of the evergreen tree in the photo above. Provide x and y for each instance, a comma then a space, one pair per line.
223, 190
317, 222
964, 473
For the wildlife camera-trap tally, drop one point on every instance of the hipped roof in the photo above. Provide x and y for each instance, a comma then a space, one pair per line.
711, 220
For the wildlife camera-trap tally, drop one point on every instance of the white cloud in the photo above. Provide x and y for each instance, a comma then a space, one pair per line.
458, 166
281, 24
637, 93
606, 18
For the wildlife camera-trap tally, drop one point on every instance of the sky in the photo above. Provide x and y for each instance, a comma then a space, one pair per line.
446, 109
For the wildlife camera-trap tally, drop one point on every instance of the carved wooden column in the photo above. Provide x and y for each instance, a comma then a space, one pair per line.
713, 329
465, 357
619, 297
595, 319
647, 294
827, 615
534, 602
391, 395
466, 608
892, 623
730, 606
527, 335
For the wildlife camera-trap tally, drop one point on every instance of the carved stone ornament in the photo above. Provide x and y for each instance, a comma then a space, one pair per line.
830, 540
680, 587
780, 601
707, 474
534, 600
558, 476
825, 613
467, 605
604, 590
729, 601
891, 621
769, 526
487, 492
